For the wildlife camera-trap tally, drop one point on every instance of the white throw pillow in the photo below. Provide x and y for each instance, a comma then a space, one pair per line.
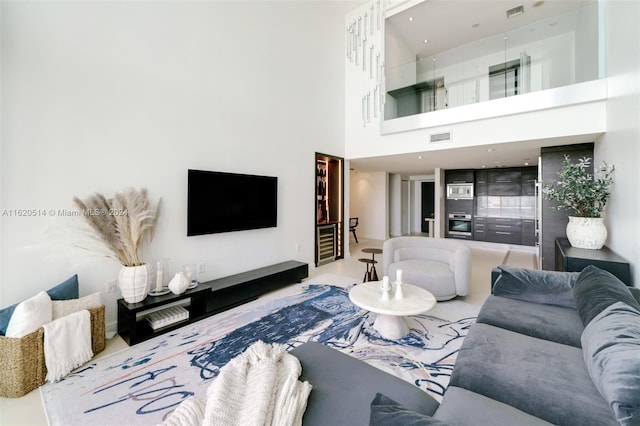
62, 308
30, 315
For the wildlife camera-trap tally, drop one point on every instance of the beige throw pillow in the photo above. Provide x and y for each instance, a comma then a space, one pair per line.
62, 308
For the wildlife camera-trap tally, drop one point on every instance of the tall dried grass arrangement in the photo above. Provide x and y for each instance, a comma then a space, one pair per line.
123, 223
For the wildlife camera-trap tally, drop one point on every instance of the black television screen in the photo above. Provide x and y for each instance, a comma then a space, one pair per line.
224, 202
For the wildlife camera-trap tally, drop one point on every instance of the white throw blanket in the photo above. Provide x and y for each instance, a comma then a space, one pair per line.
259, 387
67, 344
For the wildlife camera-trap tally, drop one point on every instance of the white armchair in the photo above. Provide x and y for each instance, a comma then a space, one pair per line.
439, 265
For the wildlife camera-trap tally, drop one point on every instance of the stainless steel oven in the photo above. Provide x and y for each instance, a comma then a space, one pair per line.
459, 224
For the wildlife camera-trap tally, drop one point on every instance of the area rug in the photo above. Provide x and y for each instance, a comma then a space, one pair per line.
143, 384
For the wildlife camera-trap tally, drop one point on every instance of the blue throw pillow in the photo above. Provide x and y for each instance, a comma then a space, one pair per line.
611, 349
387, 412
596, 289
532, 285
68, 289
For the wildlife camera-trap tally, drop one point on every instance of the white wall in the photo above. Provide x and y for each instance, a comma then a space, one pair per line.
368, 201
99, 96
620, 145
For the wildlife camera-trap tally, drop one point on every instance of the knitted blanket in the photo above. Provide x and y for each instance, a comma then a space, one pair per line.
258, 387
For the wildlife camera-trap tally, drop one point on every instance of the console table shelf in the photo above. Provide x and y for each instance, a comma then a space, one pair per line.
206, 299
573, 259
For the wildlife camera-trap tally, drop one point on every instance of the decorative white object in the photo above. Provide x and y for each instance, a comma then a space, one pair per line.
135, 282
178, 283
586, 232
399, 276
191, 272
159, 276
385, 288
399, 294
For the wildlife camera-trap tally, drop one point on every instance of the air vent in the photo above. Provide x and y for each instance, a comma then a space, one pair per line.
440, 137
518, 10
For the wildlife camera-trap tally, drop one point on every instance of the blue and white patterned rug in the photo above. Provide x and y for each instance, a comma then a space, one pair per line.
143, 384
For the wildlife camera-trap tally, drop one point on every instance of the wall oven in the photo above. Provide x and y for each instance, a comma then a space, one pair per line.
459, 224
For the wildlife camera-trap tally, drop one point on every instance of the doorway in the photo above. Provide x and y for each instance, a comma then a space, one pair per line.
428, 207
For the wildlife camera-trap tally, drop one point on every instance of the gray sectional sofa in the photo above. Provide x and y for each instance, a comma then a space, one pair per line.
548, 348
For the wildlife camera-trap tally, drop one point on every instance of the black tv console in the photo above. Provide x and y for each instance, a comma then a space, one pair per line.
235, 290
206, 299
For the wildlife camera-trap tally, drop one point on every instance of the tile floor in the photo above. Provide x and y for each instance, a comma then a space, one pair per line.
28, 410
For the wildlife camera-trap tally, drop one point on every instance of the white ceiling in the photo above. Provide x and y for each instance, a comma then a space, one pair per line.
448, 24
515, 154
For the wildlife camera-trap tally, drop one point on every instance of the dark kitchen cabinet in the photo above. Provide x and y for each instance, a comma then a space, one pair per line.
528, 232
458, 176
504, 230
504, 182
529, 177
481, 183
480, 228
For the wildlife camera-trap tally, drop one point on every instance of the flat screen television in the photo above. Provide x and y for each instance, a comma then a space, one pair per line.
225, 202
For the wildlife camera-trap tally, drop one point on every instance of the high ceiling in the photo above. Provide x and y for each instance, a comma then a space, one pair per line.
452, 23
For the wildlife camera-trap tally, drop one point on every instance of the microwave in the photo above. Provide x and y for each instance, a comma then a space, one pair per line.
460, 191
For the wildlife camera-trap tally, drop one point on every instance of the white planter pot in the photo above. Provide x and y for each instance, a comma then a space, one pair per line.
135, 282
586, 232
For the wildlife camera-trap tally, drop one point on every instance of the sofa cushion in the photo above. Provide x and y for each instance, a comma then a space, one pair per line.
343, 387
30, 315
433, 276
463, 407
530, 285
596, 289
68, 289
542, 378
611, 346
555, 323
387, 412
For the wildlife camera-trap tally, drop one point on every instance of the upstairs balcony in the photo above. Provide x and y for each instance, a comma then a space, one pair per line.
552, 62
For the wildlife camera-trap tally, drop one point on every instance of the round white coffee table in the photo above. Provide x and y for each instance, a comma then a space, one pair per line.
391, 322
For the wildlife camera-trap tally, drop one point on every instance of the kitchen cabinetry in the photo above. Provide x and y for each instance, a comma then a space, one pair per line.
529, 177
504, 182
528, 232
481, 181
504, 230
480, 228
458, 176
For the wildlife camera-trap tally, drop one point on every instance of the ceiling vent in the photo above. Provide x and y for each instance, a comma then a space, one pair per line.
440, 137
518, 10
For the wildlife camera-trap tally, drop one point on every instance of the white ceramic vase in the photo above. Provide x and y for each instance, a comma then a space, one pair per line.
586, 232
179, 283
135, 282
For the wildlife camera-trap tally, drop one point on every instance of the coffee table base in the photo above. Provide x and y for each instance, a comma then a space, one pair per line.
391, 327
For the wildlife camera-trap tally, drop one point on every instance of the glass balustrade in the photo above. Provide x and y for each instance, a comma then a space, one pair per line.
553, 52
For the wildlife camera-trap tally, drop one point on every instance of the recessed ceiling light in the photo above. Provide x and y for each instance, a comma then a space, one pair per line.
410, 18
490, 149
526, 164
419, 157
425, 41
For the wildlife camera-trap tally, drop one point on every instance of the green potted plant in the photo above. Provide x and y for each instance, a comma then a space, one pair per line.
122, 225
586, 196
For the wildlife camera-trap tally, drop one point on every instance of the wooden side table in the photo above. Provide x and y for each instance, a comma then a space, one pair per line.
571, 259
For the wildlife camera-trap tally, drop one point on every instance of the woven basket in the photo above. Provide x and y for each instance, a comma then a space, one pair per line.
24, 368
